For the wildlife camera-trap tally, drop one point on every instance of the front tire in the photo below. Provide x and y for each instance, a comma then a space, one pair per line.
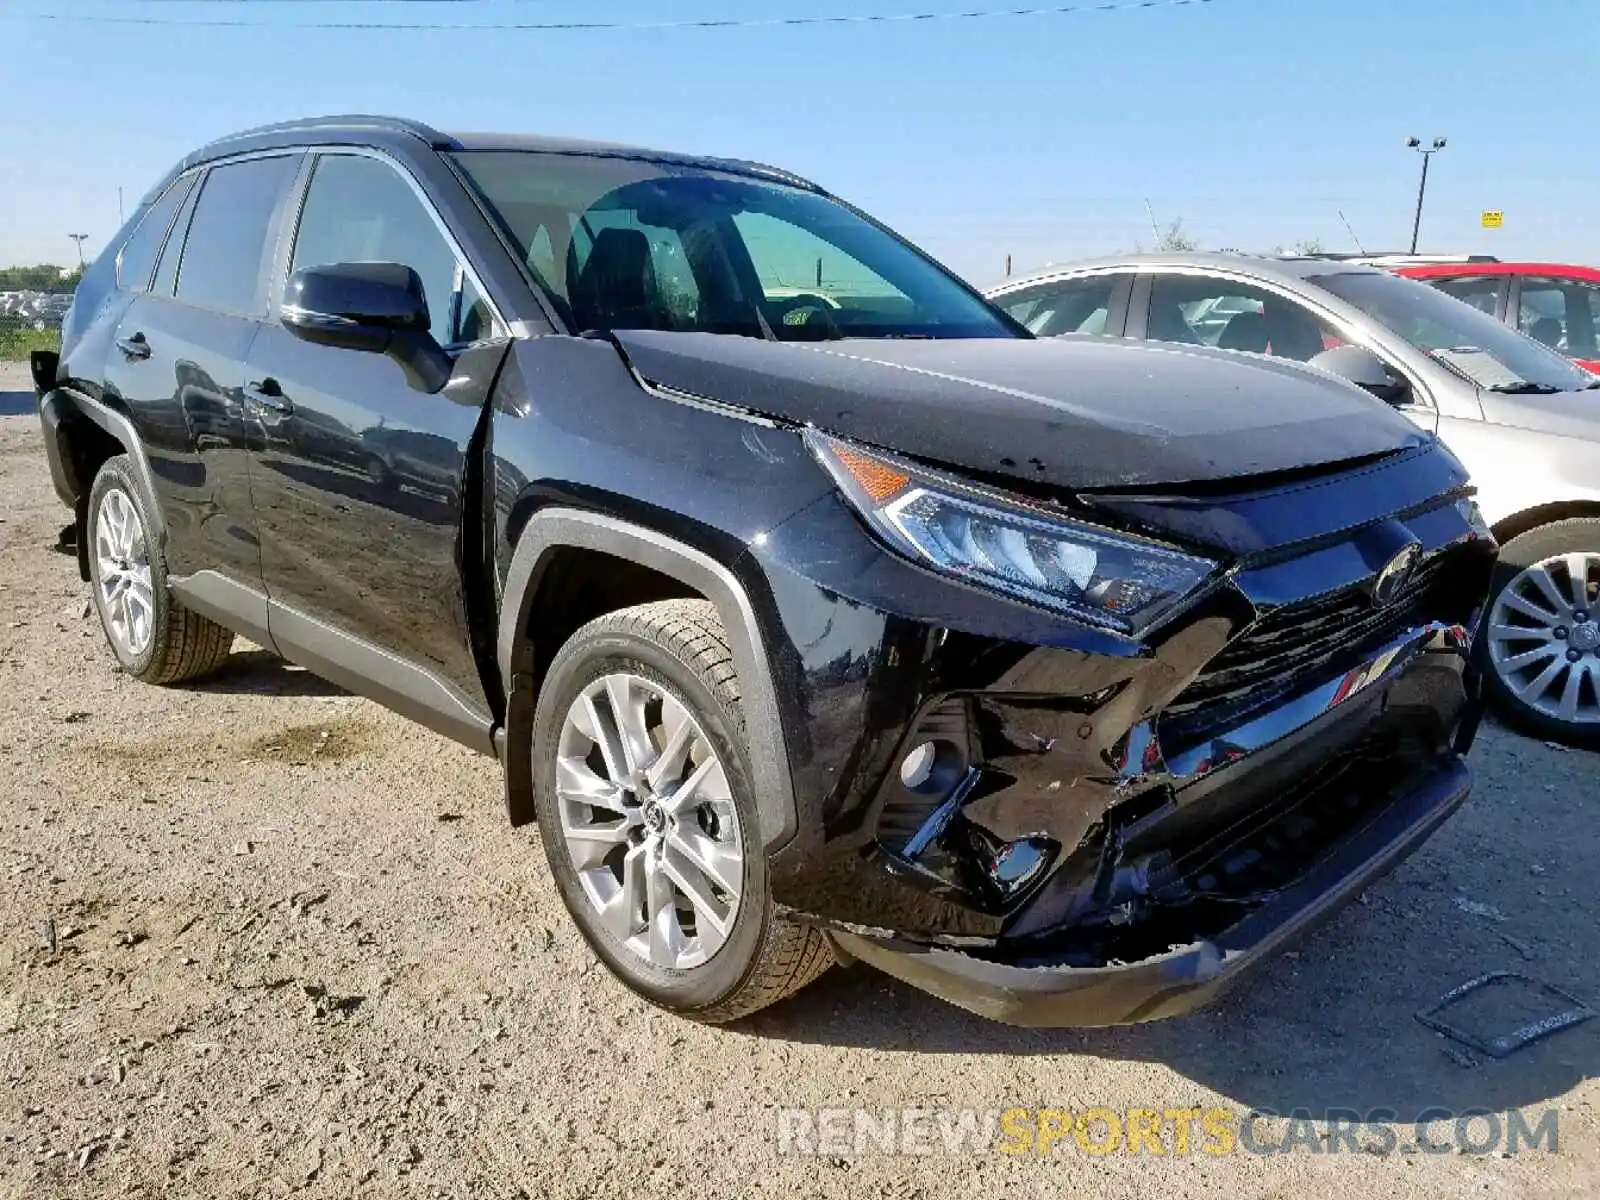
646, 811
154, 637
1540, 644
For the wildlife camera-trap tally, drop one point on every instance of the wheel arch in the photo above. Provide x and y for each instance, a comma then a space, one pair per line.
1529, 519
86, 433
674, 569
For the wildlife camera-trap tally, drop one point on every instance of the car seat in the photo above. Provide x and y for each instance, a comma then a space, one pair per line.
616, 289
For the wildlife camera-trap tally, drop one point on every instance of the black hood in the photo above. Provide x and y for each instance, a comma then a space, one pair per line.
1063, 413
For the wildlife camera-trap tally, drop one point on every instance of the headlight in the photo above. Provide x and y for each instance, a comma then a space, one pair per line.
1005, 543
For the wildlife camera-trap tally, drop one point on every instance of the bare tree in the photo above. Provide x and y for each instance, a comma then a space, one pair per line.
1173, 238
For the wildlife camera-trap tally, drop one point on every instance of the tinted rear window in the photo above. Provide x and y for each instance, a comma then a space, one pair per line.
221, 266
138, 258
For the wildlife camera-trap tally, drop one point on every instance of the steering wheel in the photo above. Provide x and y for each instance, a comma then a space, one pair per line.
806, 317
796, 310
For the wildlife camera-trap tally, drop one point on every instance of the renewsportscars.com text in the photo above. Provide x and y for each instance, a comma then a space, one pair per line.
1216, 1131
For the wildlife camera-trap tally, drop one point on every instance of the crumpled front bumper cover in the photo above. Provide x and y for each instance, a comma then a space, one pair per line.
1186, 978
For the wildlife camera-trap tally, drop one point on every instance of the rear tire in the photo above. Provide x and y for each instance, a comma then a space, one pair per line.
154, 637
1540, 641
619, 863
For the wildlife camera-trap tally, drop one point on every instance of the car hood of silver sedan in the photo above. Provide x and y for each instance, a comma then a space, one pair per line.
1072, 413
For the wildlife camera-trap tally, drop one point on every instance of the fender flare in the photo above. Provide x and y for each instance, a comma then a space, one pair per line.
120, 428
550, 529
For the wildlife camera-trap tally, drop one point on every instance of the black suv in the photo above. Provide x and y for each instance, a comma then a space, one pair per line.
813, 607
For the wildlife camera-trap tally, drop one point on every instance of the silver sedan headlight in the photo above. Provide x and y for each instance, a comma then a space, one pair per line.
1002, 542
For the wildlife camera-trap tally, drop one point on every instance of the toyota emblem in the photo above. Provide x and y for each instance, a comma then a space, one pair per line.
1391, 581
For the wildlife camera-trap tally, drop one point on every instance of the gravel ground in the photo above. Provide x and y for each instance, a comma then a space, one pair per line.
261, 937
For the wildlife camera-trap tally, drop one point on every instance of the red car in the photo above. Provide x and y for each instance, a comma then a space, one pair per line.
1553, 303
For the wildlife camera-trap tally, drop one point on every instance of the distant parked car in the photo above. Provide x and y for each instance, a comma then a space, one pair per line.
48, 310
1513, 410
16, 304
1552, 303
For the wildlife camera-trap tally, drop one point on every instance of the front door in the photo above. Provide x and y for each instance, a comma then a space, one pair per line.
360, 477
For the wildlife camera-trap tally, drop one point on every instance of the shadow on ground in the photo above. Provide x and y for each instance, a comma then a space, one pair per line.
263, 673
1331, 1025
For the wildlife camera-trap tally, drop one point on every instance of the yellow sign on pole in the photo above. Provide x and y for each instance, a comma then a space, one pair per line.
1493, 218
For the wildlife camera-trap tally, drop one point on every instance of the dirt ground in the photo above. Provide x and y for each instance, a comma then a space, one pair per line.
259, 937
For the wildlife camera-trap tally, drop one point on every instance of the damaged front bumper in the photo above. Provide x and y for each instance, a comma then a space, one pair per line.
1043, 993
1318, 798
1049, 825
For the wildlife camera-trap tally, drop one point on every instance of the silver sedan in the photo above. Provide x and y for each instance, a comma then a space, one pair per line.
1524, 420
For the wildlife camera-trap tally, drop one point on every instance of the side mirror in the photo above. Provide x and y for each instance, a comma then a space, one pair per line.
1363, 368
373, 306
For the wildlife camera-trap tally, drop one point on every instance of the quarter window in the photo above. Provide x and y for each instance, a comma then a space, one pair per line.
359, 209
222, 256
166, 279
138, 258
1234, 316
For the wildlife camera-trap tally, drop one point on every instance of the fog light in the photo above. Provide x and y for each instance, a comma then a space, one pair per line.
928, 766
917, 768
933, 768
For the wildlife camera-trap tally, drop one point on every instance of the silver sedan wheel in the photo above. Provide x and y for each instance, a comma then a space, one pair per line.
649, 821
122, 573
1544, 637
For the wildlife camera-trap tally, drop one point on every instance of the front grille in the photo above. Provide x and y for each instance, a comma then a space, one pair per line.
1306, 643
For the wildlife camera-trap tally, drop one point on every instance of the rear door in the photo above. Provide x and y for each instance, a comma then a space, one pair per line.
360, 479
178, 365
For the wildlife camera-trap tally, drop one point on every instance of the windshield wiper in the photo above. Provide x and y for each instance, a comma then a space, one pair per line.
1589, 387
1526, 388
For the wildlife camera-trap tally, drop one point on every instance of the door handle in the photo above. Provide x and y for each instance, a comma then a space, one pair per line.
267, 394
135, 348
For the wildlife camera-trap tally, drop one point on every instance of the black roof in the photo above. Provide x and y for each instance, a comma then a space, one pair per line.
369, 130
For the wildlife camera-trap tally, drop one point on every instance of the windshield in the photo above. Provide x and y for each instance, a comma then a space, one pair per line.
1471, 342
622, 243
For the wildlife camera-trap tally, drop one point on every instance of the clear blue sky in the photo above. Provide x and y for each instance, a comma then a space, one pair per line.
1040, 136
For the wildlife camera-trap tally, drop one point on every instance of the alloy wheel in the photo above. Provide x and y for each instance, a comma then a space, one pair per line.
122, 574
649, 821
1544, 637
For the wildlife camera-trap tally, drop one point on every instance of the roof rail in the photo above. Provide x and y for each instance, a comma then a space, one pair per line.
403, 125
1398, 258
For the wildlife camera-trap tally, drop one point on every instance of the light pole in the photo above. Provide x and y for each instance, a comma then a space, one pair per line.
80, 238
1427, 153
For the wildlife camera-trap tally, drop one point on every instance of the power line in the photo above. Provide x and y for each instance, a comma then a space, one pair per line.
361, 2
597, 26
